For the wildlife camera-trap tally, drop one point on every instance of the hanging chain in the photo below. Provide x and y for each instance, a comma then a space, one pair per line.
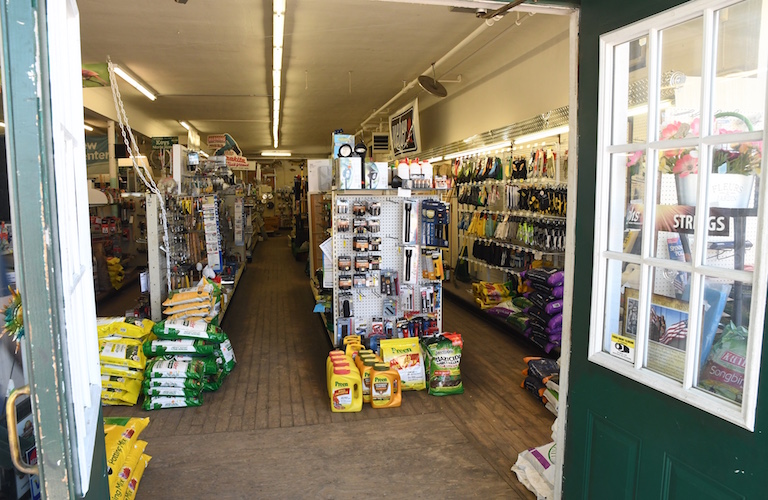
143, 172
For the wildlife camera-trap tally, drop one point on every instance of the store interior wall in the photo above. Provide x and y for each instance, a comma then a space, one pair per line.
99, 100
530, 78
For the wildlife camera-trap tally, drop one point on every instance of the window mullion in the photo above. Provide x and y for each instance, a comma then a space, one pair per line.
651, 173
701, 223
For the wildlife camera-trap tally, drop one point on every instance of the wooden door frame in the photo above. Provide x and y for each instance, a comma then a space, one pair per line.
26, 100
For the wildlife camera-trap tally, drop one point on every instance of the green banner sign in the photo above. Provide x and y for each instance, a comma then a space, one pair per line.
164, 142
96, 149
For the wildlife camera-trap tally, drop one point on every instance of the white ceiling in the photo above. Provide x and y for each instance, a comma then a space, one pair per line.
210, 61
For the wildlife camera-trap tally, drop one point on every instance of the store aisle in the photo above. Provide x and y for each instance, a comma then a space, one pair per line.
269, 432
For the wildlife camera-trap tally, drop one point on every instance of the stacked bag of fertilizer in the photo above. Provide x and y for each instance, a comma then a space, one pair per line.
199, 303
535, 468
116, 272
545, 325
122, 358
126, 459
187, 358
541, 379
488, 295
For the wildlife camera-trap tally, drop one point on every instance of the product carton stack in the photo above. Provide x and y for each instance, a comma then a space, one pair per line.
122, 359
187, 358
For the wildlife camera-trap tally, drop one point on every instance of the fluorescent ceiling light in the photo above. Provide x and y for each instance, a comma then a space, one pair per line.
185, 125
203, 153
435, 159
135, 83
88, 127
278, 6
478, 151
275, 153
541, 135
2, 124
278, 29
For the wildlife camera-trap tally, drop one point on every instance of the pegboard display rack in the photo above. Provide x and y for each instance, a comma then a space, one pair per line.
362, 306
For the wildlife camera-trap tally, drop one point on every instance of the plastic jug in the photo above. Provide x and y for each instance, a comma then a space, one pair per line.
353, 348
352, 339
346, 394
336, 358
365, 368
385, 386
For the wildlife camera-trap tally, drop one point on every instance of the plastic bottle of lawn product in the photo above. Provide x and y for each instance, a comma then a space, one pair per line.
353, 348
385, 386
346, 394
335, 358
366, 367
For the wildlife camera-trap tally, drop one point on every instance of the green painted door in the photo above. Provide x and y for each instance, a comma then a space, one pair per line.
626, 439
42, 99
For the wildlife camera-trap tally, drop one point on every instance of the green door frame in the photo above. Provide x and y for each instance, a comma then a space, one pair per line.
26, 99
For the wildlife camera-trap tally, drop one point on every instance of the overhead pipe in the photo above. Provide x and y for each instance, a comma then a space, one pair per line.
469, 38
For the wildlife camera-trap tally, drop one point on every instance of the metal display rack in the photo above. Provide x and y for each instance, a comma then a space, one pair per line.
367, 302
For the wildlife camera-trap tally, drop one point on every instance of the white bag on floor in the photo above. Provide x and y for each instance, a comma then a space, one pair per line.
535, 469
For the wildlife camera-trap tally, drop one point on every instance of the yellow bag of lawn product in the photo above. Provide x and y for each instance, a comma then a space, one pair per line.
405, 356
120, 383
189, 296
117, 397
123, 354
133, 327
124, 327
121, 435
200, 313
123, 474
120, 340
121, 371
133, 482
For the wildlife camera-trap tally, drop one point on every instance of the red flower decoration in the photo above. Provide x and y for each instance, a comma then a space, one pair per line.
685, 165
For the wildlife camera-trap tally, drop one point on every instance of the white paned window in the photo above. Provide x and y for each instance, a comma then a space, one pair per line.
680, 265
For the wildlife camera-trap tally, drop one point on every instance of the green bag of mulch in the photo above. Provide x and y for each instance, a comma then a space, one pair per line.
172, 329
163, 368
156, 403
211, 363
181, 346
213, 382
443, 355
723, 373
226, 355
172, 391
184, 383
522, 303
519, 321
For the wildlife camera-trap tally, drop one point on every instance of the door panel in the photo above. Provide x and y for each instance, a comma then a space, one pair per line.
684, 481
624, 439
610, 448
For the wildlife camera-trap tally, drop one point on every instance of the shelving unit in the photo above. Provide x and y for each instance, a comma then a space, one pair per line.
357, 307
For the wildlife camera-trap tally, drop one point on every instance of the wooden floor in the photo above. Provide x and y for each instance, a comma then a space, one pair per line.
269, 431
